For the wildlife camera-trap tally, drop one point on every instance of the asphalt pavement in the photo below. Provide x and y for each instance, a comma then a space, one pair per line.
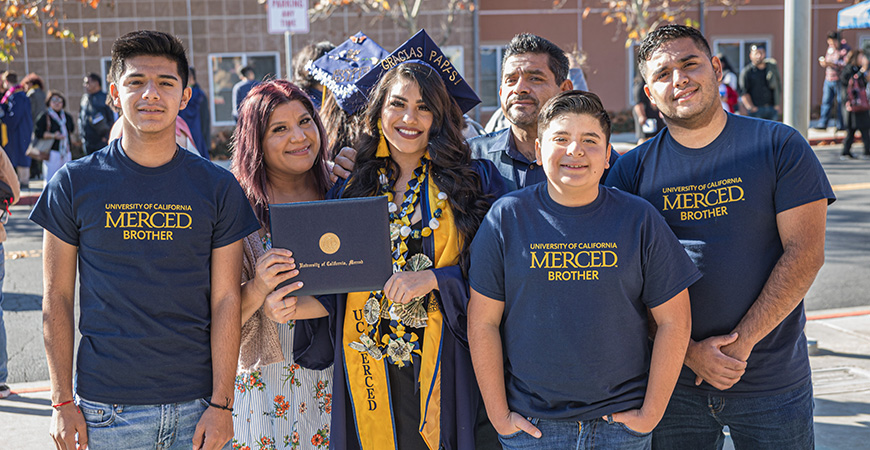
838, 323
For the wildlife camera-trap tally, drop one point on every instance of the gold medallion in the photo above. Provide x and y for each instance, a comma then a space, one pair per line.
329, 243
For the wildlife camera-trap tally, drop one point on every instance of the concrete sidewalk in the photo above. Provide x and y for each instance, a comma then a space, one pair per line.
841, 380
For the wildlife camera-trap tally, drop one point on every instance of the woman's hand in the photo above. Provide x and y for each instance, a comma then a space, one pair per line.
273, 268
403, 287
279, 307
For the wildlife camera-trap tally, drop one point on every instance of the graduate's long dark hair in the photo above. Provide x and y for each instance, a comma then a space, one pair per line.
449, 154
342, 129
248, 164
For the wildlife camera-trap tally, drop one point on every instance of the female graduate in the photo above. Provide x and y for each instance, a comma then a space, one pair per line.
406, 381
279, 147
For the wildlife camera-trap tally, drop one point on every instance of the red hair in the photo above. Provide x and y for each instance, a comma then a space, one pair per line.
254, 114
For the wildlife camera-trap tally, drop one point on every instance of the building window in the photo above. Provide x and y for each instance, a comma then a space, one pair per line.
490, 76
456, 55
223, 74
736, 50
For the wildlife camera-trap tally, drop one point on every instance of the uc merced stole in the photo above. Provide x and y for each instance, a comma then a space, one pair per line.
367, 377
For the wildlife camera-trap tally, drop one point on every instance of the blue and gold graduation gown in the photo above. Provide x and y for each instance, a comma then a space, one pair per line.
449, 395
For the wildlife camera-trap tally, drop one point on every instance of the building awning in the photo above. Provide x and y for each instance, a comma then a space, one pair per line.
855, 16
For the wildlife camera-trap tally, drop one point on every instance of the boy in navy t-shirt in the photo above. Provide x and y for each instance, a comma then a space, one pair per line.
156, 234
562, 276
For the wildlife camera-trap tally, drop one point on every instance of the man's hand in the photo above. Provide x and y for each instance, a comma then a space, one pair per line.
710, 364
637, 420
403, 287
215, 428
66, 421
344, 163
512, 423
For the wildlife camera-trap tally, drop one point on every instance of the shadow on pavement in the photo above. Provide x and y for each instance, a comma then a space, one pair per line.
823, 352
10, 406
21, 302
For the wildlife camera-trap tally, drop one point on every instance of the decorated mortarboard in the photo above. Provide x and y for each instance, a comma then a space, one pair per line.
421, 49
339, 69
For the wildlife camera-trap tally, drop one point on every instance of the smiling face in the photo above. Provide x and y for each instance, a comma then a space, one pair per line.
406, 119
683, 82
573, 150
527, 83
150, 94
292, 140
56, 103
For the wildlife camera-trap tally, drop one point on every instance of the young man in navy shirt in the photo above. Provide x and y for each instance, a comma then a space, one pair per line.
748, 200
562, 276
156, 232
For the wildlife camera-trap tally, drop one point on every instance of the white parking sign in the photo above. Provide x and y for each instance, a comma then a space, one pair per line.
288, 15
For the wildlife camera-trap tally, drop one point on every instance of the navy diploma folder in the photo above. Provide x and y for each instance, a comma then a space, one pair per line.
339, 245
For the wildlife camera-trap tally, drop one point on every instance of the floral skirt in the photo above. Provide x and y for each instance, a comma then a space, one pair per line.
283, 406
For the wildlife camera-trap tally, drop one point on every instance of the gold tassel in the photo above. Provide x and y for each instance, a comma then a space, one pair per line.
383, 148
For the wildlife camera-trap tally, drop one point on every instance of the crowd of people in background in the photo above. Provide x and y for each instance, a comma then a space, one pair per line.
32, 112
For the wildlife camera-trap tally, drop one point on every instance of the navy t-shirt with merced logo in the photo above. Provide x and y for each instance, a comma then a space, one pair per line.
144, 237
721, 201
576, 282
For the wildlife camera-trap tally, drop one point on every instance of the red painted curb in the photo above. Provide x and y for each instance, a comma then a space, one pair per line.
31, 390
838, 315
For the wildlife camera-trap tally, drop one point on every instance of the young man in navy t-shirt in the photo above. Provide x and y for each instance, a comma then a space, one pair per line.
562, 276
156, 233
748, 199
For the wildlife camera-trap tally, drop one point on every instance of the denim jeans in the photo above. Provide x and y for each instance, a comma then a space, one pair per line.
765, 112
142, 427
695, 421
831, 92
4, 373
585, 435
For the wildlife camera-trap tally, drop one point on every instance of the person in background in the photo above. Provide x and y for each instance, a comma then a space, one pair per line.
301, 76
248, 79
728, 86
19, 125
833, 62
55, 123
10, 177
647, 119
761, 86
855, 117
95, 116
192, 114
279, 157
35, 88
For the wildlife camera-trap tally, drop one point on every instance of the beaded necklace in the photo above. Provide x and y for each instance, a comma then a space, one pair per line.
399, 345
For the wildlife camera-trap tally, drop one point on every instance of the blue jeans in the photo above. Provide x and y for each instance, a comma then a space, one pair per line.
695, 421
588, 434
831, 92
142, 427
765, 112
4, 373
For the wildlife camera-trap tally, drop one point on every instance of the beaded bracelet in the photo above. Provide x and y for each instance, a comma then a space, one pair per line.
225, 408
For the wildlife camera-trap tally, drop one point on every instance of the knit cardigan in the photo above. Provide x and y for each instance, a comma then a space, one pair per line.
260, 345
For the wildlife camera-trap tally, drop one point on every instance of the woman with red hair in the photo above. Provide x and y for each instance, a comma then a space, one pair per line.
279, 152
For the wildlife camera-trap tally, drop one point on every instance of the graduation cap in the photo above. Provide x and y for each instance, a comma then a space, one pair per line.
421, 49
339, 69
